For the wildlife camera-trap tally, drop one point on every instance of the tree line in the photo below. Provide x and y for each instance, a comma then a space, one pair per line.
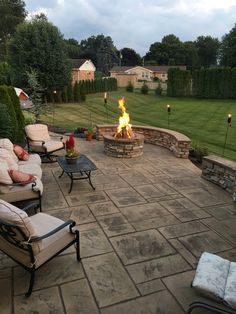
202, 83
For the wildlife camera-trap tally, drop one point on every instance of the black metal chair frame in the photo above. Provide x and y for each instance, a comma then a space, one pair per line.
49, 155
7, 231
215, 307
38, 198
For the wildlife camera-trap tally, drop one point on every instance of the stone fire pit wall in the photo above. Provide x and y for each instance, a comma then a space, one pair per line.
176, 142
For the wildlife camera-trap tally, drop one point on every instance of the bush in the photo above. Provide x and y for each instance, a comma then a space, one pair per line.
197, 152
158, 90
156, 79
5, 123
144, 89
130, 87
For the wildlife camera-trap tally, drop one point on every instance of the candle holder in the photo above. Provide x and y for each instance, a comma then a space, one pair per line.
229, 120
168, 114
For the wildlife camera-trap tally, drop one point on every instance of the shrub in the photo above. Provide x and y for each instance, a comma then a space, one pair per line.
5, 123
130, 87
158, 90
144, 89
197, 152
156, 79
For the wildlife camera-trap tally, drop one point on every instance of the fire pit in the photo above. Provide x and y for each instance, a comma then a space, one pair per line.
124, 143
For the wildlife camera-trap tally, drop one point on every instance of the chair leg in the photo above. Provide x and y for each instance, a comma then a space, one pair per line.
77, 245
32, 272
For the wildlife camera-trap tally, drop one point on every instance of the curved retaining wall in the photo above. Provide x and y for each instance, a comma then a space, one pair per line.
176, 142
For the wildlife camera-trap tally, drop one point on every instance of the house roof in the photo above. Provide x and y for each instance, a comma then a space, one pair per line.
76, 63
20, 91
154, 68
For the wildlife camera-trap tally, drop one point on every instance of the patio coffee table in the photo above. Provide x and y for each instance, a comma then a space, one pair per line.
83, 166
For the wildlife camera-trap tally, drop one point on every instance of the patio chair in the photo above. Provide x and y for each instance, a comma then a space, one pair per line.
39, 141
33, 241
215, 278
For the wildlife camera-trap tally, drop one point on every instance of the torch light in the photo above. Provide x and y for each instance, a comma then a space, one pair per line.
105, 103
229, 120
53, 111
168, 114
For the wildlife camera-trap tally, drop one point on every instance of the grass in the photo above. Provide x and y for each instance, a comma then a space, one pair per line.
203, 121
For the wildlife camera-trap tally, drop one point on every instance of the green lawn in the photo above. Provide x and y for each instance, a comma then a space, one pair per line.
203, 121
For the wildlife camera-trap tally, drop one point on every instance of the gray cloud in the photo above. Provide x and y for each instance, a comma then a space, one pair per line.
138, 23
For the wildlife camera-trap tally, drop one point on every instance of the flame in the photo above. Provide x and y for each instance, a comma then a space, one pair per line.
124, 128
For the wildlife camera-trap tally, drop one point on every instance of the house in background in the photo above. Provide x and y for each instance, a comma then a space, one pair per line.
82, 69
134, 74
25, 102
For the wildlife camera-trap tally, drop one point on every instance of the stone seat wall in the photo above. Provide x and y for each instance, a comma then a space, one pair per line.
176, 142
220, 171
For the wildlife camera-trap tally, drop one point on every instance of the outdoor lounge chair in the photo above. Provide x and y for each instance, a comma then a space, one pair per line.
33, 241
215, 278
39, 141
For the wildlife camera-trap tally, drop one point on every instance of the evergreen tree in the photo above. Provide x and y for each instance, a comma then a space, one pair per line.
19, 114
6, 130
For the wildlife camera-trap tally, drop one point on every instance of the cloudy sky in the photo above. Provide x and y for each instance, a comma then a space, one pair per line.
138, 23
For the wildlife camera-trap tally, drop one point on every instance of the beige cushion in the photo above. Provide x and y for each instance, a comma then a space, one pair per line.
21, 192
33, 169
37, 132
14, 215
4, 175
43, 249
8, 157
7, 144
33, 159
53, 145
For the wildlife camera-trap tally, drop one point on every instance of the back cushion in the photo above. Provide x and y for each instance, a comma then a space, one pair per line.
7, 156
13, 215
37, 132
7, 144
4, 175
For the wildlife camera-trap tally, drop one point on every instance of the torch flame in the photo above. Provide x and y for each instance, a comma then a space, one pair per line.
124, 128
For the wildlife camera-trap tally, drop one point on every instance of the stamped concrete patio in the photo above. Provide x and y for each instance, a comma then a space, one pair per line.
142, 232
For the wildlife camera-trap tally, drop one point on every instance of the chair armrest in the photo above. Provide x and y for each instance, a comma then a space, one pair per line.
38, 141
58, 136
68, 222
19, 184
30, 206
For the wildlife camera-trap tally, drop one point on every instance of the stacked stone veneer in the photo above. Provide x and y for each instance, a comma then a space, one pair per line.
123, 148
220, 171
174, 141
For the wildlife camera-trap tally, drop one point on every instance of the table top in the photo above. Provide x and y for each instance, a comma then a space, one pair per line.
83, 164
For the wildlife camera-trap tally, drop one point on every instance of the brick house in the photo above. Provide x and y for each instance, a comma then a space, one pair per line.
125, 74
82, 69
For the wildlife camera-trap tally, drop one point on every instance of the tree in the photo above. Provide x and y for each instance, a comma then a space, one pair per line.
228, 48
101, 51
170, 51
12, 12
5, 123
191, 55
130, 57
208, 50
38, 45
73, 48
35, 92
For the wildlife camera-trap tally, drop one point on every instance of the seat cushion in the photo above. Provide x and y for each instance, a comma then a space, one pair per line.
29, 168
33, 159
48, 247
211, 276
52, 145
230, 289
37, 132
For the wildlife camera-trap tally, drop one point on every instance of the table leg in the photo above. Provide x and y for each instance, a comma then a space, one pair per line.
71, 181
88, 173
61, 174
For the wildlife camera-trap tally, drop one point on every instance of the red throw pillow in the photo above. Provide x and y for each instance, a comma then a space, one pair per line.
20, 152
21, 177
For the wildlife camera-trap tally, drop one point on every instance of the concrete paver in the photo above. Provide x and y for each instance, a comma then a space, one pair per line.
142, 232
